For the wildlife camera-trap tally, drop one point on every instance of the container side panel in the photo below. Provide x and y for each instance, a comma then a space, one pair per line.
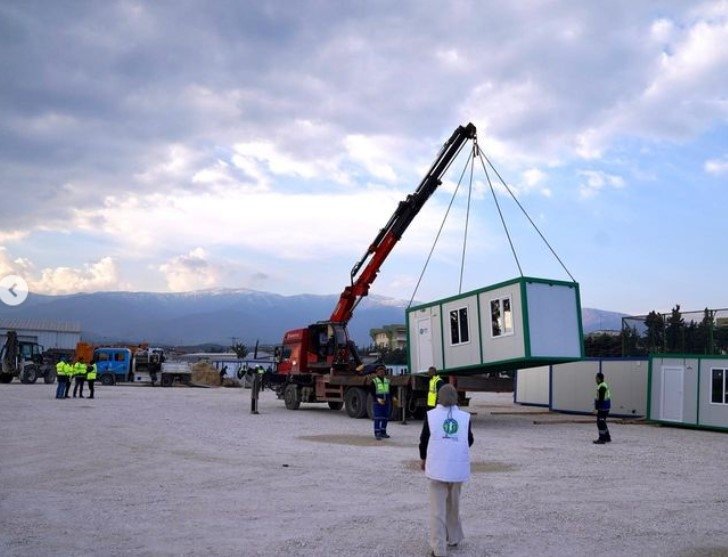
713, 389
461, 332
627, 380
573, 386
553, 320
509, 344
532, 386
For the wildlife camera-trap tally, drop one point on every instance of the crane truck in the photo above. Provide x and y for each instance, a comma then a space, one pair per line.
319, 363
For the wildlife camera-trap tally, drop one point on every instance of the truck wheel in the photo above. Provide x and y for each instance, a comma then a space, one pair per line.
336, 405
355, 402
49, 377
6, 377
29, 375
292, 397
167, 380
107, 379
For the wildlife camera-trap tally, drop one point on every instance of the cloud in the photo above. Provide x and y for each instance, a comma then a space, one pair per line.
91, 277
718, 166
188, 272
596, 181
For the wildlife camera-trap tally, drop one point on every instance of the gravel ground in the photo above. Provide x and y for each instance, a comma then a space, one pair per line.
183, 471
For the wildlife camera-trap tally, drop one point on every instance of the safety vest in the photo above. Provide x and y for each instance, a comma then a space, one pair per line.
606, 404
79, 368
448, 453
381, 386
432, 391
61, 368
91, 375
68, 367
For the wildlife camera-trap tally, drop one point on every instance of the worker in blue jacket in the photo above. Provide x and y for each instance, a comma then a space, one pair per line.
382, 404
602, 405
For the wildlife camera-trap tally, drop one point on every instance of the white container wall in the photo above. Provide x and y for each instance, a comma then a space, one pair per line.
532, 386
522, 323
571, 387
689, 390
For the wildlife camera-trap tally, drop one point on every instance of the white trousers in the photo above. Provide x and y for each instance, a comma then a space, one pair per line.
445, 526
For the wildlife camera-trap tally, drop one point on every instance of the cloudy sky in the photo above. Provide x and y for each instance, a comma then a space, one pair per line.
183, 145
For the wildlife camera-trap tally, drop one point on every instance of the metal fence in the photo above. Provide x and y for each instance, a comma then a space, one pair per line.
691, 332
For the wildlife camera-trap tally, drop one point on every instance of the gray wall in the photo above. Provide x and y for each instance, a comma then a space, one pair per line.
712, 415
532, 386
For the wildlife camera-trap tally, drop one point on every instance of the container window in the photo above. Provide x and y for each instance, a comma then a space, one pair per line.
459, 332
719, 387
501, 317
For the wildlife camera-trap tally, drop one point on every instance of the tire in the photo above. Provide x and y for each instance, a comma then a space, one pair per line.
292, 397
29, 375
6, 377
355, 402
49, 377
336, 405
107, 379
167, 380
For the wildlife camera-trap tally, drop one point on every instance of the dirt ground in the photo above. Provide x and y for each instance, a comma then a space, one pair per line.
185, 471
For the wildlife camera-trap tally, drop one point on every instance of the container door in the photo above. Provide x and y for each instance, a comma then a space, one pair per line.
425, 356
672, 394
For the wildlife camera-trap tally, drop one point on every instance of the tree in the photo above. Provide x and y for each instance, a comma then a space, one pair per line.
674, 334
655, 333
240, 349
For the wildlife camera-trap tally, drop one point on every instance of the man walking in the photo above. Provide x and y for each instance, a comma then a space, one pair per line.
435, 383
602, 405
445, 457
381, 407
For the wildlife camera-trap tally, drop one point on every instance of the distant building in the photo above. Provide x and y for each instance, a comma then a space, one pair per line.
390, 336
49, 334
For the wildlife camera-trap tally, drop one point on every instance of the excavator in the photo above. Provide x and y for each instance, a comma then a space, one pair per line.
319, 363
24, 359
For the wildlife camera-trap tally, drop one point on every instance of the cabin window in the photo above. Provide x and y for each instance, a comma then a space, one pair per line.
719, 391
501, 317
459, 332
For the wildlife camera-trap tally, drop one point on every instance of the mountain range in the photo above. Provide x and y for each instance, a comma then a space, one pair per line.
219, 316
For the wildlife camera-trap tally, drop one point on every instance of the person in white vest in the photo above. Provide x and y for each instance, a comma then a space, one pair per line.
445, 457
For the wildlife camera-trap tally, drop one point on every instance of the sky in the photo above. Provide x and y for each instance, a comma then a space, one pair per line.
172, 146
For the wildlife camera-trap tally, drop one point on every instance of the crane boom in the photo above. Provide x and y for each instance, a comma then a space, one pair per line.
400, 220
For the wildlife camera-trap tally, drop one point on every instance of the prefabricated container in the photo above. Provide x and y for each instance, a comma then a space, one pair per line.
522, 323
688, 390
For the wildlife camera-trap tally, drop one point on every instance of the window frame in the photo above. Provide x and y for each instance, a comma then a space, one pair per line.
458, 311
724, 389
501, 322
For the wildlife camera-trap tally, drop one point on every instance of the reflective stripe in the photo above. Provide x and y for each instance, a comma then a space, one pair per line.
432, 391
381, 386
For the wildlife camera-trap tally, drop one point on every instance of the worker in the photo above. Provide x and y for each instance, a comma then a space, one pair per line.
445, 458
435, 383
61, 378
382, 403
260, 372
223, 373
255, 387
91, 371
602, 405
69, 378
79, 375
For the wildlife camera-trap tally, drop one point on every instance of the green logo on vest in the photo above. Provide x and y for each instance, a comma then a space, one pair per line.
450, 426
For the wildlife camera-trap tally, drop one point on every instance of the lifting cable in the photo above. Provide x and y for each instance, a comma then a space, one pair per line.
503, 182
477, 152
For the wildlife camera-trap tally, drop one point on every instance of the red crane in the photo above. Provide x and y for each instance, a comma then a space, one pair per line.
324, 345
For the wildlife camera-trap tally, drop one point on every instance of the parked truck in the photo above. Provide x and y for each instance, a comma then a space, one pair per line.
23, 358
117, 364
320, 364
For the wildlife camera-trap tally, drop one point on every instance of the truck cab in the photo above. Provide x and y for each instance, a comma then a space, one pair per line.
113, 365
